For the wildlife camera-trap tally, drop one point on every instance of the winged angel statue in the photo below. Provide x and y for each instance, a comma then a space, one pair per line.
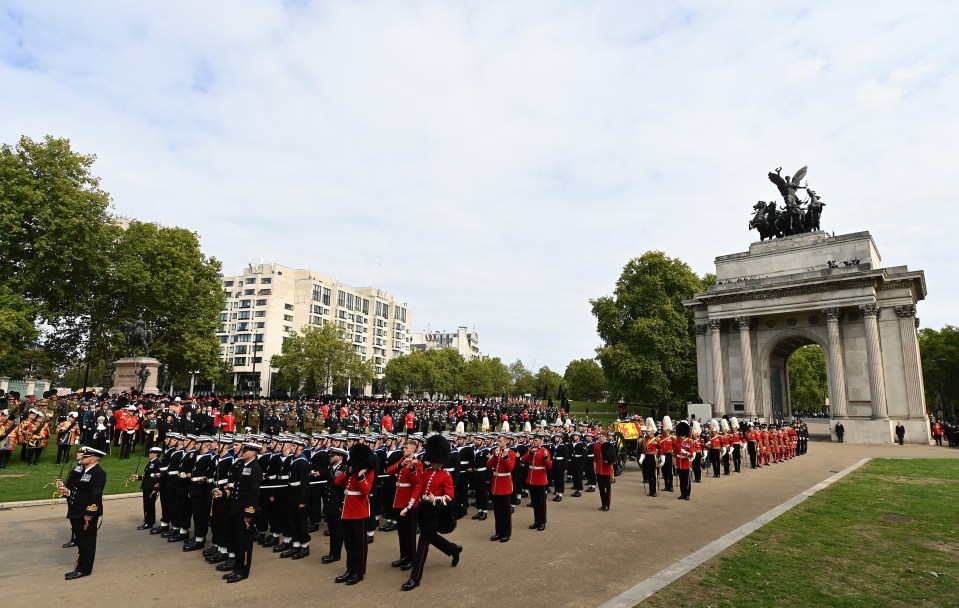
771, 221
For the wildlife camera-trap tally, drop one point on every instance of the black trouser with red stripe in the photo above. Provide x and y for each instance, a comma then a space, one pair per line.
406, 530
354, 539
604, 483
502, 516
430, 536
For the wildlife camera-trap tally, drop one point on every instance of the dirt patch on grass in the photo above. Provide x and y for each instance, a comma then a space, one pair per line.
12, 475
946, 548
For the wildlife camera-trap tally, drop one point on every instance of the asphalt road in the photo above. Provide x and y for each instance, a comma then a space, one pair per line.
583, 558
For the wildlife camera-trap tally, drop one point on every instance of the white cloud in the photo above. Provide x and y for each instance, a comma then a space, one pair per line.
497, 164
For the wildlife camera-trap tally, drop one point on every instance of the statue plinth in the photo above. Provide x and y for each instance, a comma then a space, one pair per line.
125, 375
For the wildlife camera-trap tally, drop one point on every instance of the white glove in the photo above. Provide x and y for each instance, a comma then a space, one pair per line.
641, 458
662, 460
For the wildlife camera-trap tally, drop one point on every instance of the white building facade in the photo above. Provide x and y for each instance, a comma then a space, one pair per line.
269, 301
465, 342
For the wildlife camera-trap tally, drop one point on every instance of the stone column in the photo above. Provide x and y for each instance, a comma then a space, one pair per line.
31, 386
837, 370
702, 360
719, 385
4, 383
915, 392
749, 383
877, 379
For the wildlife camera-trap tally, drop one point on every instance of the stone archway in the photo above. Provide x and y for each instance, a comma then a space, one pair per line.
774, 369
821, 289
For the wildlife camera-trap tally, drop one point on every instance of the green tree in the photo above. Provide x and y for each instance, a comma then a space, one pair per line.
940, 367
547, 382
585, 380
486, 377
523, 380
398, 376
808, 387
17, 328
319, 356
649, 352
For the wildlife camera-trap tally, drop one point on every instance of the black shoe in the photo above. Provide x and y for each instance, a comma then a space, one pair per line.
144, 527
194, 546
505, 539
577, 494
69, 544
210, 551
687, 498
313, 528
227, 566
591, 489
157, 530
280, 548
75, 574
495, 537
343, 577
217, 558
236, 577
512, 510
456, 555
259, 537
301, 552
558, 498
604, 508
407, 566
533, 526
410, 585
482, 516
541, 527
289, 552
369, 539
326, 532
477, 516
390, 527
530, 505
398, 562
179, 538
329, 559
168, 532
270, 541
353, 579
653, 495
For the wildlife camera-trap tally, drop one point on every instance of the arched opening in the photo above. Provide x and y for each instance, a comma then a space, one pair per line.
798, 381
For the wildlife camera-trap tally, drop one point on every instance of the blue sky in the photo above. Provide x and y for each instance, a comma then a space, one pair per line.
497, 163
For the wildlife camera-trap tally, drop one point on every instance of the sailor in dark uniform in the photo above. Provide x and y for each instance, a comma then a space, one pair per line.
84, 497
149, 486
244, 503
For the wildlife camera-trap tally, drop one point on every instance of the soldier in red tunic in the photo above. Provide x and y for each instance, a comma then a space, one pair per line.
356, 510
539, 461
684, 458
604, 472
433, 493
502, 462
408, 471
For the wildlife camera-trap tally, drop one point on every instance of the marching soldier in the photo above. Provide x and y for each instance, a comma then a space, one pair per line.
299, 499
203, 472
649, 459
356, 486
539, 462
577, 453
501, 463
333, 505
666, 454
560, 456
219, 551
604, 454
481, 477
684, 457
407, 472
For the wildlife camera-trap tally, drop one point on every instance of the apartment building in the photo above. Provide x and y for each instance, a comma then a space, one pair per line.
268, 301
465, 342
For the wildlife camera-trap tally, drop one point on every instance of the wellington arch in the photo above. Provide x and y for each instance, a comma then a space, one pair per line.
830, 291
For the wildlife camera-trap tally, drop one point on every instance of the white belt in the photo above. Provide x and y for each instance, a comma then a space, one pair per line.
560, 458
353, 493
199, 479
465, 462
271, 487
503, 474
222, 483
538, 468
313, 483
383, 476
173, 473
450, 469
293, 484
284, 477
480, 470
164, 469
269, 477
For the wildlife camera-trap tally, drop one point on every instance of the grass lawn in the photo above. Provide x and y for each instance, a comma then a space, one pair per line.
21, 482
885, 535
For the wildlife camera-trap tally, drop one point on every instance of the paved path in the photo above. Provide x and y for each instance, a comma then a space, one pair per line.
584, 558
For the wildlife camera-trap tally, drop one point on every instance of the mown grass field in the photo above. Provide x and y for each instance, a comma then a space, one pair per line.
886, 535
21, 482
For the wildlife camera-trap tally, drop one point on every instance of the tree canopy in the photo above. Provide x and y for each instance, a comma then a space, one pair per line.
808, 386
317, 360
585, 380
73, 272
649, 351
940, 368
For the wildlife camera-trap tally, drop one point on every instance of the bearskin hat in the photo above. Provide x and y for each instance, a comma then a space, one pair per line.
228, 408
667, 424
682, 429
361, 457
437, 449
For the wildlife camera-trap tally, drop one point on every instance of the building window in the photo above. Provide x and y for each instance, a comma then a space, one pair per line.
340, 297
243, 315
249, 292
228, 283
259, 325
223, 316
261, 302
288, 318
258, 348
258, 359
266, 280
399, 313
224, 339
259, 314
250, 280
239, 361
257, 337
326, 296
287, 329
240, 350
288, 306
245, 303
315, 320
243, 337
366, 306
317, 293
